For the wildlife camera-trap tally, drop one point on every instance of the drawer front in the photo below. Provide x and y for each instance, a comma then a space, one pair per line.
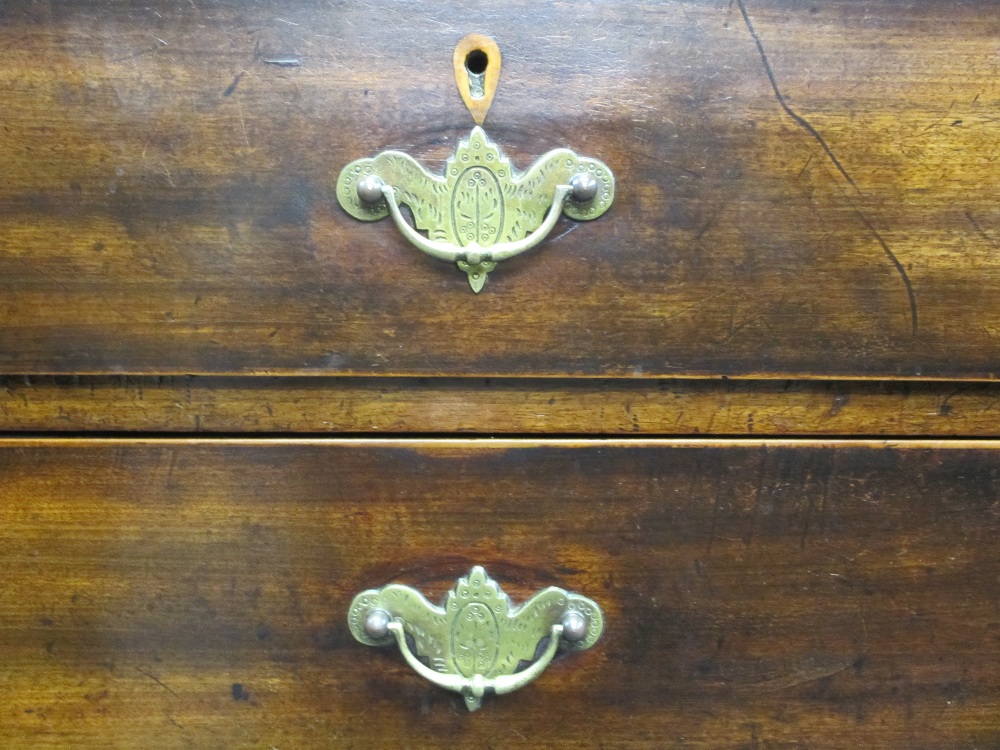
165, 593
804, 189
497, 406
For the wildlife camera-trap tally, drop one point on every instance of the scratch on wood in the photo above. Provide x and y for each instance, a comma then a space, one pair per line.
762, 476
243, 125
980, 230
804, 167
804, 675
154, 679
945, 408
285, 62
715, 523
691, 307
173, 721
826, 495
711, 221
563, 234
808, 127
809, 511
134, 55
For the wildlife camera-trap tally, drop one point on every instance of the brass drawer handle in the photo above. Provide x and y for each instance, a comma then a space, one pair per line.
481, 210
476, 641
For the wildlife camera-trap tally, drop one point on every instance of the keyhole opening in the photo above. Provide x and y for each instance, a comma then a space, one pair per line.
476, 62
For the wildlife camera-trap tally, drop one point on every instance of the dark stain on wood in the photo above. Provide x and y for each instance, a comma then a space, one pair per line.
239, 692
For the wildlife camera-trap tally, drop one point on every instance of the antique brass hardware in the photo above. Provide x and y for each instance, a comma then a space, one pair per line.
481, 210
476, 641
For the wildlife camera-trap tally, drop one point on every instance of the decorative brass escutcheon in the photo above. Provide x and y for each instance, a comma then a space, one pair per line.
481, 211
476, 641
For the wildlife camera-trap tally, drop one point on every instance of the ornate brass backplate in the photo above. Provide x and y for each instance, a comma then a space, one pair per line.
476, 641
481, 210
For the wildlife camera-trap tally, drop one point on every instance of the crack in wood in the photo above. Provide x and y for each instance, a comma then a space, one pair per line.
815, 134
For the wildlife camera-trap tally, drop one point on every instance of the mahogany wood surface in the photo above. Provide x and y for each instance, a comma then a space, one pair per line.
805, 242
782, 594
806, 189
518, 406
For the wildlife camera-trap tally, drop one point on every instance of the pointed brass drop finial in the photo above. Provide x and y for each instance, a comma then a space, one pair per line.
477, 72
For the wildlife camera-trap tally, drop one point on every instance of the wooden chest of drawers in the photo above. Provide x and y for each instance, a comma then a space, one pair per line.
750, 410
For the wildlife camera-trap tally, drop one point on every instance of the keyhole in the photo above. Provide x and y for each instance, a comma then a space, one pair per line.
476, 62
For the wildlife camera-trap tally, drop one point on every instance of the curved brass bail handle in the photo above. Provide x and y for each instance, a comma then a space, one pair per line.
474, 688
481, 210
476, 642
472, 253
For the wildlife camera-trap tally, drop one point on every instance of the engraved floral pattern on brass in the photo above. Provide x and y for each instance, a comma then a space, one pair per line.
481, 211
476, 641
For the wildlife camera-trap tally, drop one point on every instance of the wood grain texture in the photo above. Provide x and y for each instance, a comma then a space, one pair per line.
522, 406
171, 594
807, 189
